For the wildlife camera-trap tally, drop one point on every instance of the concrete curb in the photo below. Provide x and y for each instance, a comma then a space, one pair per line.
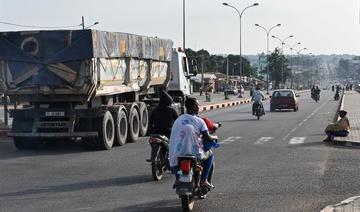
215, 106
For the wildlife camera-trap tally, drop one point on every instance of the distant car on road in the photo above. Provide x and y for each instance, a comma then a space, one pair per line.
231, 90
284, 99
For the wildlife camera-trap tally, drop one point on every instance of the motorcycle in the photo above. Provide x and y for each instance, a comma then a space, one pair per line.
258, 110
190, 170
316, 97
159, 158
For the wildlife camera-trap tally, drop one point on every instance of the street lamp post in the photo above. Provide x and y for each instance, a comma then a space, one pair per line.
240, 16
83, 23
184, 25
298, 53
267, 51
291, 62
282, 50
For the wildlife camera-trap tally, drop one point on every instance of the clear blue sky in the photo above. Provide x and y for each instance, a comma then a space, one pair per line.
323, 26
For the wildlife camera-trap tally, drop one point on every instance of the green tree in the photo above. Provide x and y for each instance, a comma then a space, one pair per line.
215, 63
278, 66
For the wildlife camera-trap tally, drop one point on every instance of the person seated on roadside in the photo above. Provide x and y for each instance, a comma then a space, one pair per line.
257, 97
163, 116
186, 138
341, 128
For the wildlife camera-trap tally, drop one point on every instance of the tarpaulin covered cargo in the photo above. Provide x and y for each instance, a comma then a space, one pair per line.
74, 61
65, 45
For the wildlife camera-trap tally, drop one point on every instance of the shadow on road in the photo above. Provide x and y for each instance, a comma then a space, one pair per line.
158, 206
9, 151
121, 181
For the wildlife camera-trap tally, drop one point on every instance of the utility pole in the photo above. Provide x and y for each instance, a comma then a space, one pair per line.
184, 25
82, 22
227, 70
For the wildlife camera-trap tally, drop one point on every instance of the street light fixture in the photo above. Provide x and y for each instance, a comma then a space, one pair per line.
282, 50
96, 23
300, 50
240, 16
267, 51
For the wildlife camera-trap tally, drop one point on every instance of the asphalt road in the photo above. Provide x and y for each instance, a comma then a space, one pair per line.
278, 163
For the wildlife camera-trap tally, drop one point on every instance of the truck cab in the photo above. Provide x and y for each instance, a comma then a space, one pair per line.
180, 74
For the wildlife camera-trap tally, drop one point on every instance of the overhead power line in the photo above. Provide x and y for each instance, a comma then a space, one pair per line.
42, 27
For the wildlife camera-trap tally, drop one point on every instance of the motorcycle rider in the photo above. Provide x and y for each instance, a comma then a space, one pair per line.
186, 139
257, 97
317, 92
337, 94
163, 116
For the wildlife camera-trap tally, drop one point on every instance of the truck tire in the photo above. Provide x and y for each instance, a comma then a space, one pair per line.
106, 129
144, 118
134, 125
121, 127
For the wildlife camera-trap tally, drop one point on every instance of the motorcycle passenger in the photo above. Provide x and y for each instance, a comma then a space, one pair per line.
312, 91
163, 116
186, 139
257, 97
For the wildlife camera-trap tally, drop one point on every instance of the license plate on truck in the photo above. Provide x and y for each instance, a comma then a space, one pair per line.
55, 114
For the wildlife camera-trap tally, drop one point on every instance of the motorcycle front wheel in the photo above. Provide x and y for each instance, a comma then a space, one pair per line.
187, 202
157, 167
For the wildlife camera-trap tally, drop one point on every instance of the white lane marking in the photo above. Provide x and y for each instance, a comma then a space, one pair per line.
303, 121
297, 140
263, 140
230, 139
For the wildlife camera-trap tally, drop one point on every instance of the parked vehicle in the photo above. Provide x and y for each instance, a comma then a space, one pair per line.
231, 90
94, 85
284, 99
159, 158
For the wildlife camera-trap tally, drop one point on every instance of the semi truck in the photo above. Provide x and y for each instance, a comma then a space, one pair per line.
94, 86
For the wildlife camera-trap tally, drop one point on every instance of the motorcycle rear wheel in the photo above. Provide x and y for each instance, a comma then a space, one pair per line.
187, 202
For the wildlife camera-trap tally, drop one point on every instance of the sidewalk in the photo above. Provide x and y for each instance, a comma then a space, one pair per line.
350, 103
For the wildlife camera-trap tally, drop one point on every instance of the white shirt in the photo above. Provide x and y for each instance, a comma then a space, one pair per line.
186, 138
258, 96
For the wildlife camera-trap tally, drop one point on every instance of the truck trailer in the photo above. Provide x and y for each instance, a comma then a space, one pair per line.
95, 86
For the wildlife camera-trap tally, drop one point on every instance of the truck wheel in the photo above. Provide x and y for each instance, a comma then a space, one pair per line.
121, 127
134, 125
22, 143
106, 130
144, 117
